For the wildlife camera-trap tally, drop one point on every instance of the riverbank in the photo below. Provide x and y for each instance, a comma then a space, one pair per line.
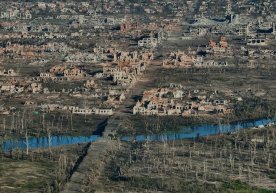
45, 141
108, 130
205, 130
54, 124
148, 125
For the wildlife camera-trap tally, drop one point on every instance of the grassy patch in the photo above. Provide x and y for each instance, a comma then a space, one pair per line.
146, 183
31, 185
240, 187
272, 175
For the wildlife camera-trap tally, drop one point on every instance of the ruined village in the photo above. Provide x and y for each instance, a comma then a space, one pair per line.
138, 96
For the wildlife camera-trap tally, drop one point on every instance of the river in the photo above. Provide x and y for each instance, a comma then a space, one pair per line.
185, 133
202, 130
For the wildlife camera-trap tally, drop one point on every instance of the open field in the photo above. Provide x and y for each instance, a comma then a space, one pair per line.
39, 171
241, 162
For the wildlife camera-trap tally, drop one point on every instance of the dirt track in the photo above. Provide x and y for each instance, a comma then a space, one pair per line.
90, 168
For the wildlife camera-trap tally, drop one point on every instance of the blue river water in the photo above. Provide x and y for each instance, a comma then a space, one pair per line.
185, 133
43, 142
201, 131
